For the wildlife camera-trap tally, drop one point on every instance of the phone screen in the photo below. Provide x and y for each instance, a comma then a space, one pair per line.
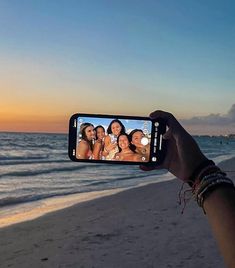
115, 139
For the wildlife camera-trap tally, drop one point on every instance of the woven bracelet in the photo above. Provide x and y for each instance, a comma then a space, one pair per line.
200, 184
209, 185
198, 170
207, 180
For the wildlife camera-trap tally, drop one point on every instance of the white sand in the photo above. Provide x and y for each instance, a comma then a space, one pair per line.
140, 227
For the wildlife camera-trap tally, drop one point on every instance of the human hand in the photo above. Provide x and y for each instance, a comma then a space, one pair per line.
110, 147
183, 154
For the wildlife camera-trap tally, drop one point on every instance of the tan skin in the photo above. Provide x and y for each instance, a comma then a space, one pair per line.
84, 150
116, 129
98, 144
141, 149
181, 160
126, 153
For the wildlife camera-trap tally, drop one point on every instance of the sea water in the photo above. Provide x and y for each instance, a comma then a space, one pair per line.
36, 167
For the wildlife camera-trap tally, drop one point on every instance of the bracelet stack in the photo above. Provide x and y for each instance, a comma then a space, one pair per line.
207, 180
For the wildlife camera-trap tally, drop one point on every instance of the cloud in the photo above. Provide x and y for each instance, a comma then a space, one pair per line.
213, 119
231, 113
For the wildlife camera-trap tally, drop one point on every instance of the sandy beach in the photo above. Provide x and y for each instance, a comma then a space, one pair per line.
139, 227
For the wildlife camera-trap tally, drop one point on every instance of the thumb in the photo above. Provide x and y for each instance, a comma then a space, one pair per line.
149, 167
168, 134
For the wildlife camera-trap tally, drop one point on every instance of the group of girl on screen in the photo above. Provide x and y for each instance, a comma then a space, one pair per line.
115, 145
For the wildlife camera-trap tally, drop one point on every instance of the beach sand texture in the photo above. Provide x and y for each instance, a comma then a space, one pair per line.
140, 227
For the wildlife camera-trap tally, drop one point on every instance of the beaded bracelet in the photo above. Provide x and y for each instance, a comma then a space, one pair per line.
198, 170
201, 196
201, 183
208, 184
207, 171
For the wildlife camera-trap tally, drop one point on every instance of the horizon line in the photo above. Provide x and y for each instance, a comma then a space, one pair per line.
66, 133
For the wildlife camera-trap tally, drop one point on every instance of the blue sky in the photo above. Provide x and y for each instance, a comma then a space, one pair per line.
118, 57
128, 124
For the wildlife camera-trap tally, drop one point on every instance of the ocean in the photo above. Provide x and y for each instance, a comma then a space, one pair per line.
36, 166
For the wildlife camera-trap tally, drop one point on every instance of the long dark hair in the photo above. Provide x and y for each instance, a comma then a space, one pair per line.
130, 145
99, 126
123, 129
131, 135
83, 133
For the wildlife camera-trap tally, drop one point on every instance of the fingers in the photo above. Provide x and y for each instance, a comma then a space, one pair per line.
175, 127
168, 118
150, 167
168, 135
161, 114
146, 168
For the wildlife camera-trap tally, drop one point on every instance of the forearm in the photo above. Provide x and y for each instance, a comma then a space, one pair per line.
212, 189
220, 210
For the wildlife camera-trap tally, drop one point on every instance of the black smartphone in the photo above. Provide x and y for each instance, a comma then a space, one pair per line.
116, 139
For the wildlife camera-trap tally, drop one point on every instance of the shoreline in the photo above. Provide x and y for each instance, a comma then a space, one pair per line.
19, 213
14, 214
32, 210
139, 227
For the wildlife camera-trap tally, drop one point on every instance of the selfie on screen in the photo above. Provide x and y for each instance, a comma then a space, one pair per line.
113, 139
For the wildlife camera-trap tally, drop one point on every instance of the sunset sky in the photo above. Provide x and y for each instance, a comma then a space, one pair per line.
60, 57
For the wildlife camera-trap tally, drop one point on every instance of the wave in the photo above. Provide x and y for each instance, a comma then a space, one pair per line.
48, 172
35, 157
40, 172
14, 161
30, 198
28, 146
89, 187
44, 171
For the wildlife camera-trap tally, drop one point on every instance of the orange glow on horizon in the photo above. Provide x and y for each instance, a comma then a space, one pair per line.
47, 124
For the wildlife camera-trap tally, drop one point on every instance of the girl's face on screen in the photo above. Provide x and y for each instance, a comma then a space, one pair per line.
90, 133
100, 133
116, 128
123, 142
136, 138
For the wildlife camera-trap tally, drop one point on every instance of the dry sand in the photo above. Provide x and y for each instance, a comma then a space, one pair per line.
141, 227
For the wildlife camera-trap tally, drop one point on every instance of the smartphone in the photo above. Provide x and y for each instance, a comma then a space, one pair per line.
116, 139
